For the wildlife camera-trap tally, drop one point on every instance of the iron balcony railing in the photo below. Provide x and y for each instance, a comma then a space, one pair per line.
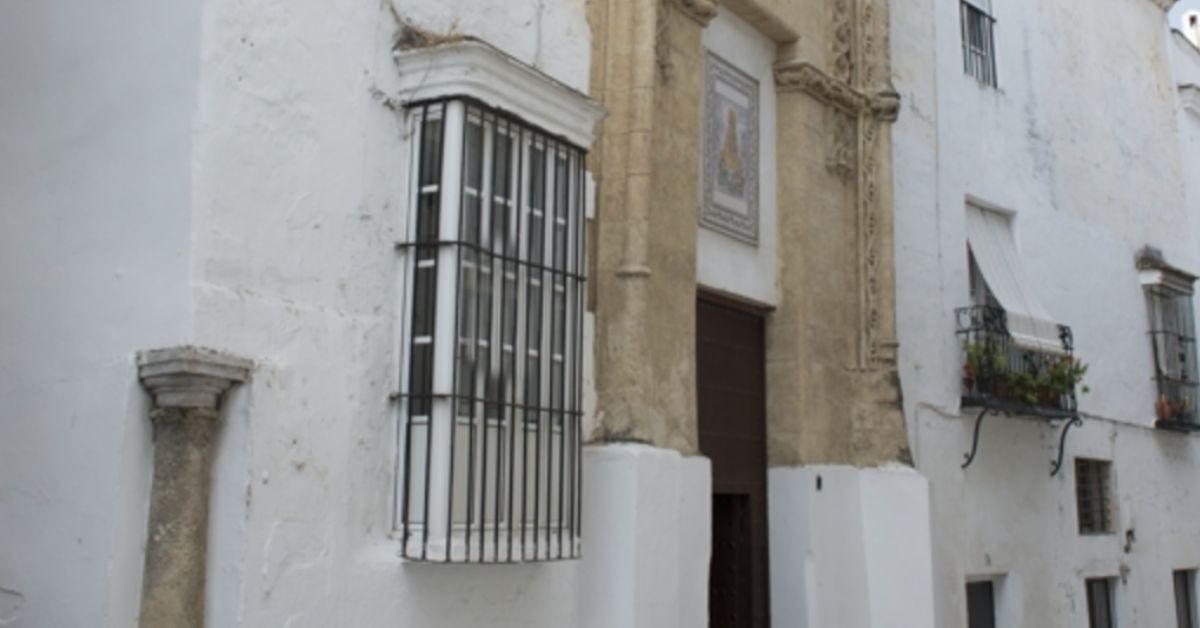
1000, 374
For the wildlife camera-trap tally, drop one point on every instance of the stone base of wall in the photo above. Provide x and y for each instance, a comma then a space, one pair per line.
646, 526
850, 547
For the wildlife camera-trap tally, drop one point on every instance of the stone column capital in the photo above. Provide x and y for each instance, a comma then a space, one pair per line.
702, 11
188, 377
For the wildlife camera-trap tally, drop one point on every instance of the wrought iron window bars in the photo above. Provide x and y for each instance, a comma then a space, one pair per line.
1173, 341
491, 388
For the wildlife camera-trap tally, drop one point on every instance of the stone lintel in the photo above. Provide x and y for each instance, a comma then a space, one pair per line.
186, 376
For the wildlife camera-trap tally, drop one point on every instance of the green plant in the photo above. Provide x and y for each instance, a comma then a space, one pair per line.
983, 359
1062, 374
1024, 386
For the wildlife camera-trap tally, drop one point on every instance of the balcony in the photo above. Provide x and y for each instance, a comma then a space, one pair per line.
1002, 375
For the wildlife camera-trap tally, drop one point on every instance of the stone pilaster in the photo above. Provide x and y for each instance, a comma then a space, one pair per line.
833, 389
186, 385
646, 71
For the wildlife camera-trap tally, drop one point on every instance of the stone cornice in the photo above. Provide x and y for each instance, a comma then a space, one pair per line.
474, 69
702, 11
189, 377
804, 77
1189, 96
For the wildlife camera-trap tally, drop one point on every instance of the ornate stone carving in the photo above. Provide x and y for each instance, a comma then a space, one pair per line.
801, 76
843, 42
703, 11
842, 152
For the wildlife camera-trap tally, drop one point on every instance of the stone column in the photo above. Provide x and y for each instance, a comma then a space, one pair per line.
186, 385
646, 69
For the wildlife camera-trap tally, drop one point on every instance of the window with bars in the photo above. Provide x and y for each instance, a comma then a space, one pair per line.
1101, 605
1173, 340
491, 389
1093, 495
1185, 601
979, 47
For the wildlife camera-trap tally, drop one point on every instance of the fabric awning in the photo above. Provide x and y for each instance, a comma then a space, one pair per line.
989, 234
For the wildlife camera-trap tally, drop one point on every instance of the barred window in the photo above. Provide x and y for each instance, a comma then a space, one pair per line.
1173, 340
491, 389
1093, 493
979, 47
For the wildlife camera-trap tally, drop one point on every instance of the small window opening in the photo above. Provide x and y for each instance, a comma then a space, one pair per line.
1093, 488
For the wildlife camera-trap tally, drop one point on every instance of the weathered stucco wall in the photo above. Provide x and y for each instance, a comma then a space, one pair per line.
95, 194
1080, 140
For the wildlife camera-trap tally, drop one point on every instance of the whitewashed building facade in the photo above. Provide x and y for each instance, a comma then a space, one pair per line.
1042, 147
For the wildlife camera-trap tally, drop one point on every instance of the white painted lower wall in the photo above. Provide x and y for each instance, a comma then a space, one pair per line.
850, 548
1005, 517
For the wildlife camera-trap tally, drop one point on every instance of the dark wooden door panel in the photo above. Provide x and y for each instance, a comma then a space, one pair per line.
731, 401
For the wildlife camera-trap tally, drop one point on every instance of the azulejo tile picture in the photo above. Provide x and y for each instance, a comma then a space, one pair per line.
729, 201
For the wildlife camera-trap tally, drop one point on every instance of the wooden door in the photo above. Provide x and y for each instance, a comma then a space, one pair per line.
731, 390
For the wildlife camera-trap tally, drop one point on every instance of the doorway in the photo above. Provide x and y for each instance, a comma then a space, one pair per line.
731, 402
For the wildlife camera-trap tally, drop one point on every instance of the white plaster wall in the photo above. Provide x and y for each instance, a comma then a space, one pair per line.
850, 547
723, 263
1185, 63
1081, 140
300, 191
95, 192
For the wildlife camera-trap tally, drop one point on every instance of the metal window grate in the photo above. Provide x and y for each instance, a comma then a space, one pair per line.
1100, 602
1173, 339
491, 390
979, 47
1093, 494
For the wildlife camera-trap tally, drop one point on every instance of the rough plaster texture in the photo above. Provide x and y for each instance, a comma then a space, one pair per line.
1081, 141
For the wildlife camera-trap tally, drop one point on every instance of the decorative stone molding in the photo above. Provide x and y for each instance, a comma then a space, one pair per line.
702, 11
842, 43
477, 70
186, 385
189, 377
802, 76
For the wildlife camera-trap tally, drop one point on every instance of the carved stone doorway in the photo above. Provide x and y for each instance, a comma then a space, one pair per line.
731, 391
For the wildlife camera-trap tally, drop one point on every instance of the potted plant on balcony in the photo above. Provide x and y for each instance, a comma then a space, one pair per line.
984, 365
1167, 409
1061, 375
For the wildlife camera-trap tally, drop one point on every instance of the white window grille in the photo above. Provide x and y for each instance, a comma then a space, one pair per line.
491, 390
